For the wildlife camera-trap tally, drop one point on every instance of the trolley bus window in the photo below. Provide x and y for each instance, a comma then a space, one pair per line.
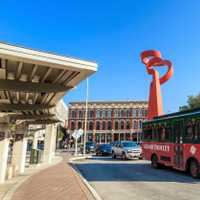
147, 131
168, 133
197, 131
189, 135
164, 133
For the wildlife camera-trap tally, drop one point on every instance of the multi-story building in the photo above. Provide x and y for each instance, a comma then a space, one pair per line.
110, 120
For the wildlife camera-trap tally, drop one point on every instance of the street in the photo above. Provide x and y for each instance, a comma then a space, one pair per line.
124, 180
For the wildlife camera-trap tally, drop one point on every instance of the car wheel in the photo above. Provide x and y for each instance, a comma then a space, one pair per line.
124, 156
113, 155
194, 169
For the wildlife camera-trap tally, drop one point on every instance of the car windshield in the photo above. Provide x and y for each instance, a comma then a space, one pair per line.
129, 144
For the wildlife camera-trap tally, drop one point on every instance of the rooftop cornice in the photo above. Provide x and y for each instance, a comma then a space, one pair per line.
108, 102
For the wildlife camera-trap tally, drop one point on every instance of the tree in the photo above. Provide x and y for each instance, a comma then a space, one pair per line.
192, 102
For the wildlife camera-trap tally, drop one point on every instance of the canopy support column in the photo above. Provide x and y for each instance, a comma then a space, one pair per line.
4, 147
49, 143
19, 154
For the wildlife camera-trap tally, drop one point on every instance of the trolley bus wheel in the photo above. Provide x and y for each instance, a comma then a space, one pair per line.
154, 162
194, 169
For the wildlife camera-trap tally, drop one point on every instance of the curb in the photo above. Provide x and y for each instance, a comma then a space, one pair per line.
85, 182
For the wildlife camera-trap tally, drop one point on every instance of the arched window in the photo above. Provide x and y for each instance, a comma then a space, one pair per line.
98, 114
72, 125
109, 125
109, 113
103, 125
140, 113
122, 113
115, 113
127, 113
116, 125
137, 112
134, 113
122, 125
91, 126
128, 125
91, 114
97, 125
103, 114
79, 125
73, 114
80, 114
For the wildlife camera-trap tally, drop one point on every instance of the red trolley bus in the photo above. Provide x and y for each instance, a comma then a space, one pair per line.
174, 140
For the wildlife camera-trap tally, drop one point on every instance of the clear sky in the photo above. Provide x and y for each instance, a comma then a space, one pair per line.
113, 33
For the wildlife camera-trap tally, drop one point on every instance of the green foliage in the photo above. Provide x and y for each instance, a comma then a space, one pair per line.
192, 102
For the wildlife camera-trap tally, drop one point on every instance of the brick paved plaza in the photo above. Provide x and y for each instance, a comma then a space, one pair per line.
57, 182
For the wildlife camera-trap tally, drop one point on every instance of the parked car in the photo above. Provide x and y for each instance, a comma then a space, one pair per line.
89, 147
103, 149
127, 150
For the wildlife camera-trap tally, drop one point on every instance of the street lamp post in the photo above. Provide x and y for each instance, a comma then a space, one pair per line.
86, 113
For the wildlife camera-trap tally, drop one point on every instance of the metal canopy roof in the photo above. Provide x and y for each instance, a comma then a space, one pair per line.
32, 82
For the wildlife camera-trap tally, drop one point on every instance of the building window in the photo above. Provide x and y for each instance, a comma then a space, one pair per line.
80, 114
128, 125
115, 113
97, 137
116, 125
73, 114
140, 113
103, 114
109, 114
134, 124
140, 124
137, 112
91, 114
109, 138
109, 125
122, 125
103, 138
91, 126
127, 113
98, 114
103, 125
79, 125
97, 125
72, 125
134, 113
121, 113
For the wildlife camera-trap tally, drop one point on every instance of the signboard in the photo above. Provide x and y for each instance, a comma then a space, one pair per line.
77, 134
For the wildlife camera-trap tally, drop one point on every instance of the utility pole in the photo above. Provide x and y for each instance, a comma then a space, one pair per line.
86, 113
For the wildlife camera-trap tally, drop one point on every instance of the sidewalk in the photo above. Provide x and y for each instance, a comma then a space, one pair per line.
7, 188
55, 183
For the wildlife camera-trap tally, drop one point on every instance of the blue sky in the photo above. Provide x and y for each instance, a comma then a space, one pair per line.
113, 33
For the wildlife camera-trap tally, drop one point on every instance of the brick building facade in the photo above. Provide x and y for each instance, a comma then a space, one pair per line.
109, 121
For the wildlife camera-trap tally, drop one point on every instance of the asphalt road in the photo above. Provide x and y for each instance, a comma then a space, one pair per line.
137, 180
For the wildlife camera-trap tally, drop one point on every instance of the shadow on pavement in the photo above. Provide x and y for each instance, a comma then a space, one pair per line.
124, 171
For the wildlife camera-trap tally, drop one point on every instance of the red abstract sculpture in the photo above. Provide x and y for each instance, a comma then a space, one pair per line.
153, 59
